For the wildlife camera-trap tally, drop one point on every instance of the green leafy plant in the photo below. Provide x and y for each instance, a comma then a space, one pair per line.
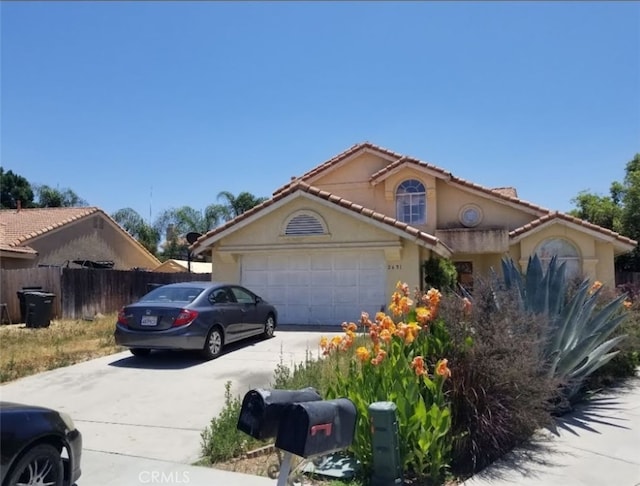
440, 273
577, 337
402, 363
310, 372
221, 440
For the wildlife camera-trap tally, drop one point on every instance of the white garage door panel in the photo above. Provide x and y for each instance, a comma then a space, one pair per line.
318, 288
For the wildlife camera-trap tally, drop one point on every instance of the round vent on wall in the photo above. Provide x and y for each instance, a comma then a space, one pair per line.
470, 215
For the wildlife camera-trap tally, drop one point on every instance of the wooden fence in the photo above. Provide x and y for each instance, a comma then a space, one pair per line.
83, 292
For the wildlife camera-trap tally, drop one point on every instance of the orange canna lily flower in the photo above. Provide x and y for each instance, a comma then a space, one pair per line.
418, 366
351, 326
336, 341
414, 327
466, 306
362, 354
442, 369
418, 361
374, 336
434, 296
404, 289
379, 358
347, 342
596, 285
385, 336
380, 316
324, 342
423, 314
627, 304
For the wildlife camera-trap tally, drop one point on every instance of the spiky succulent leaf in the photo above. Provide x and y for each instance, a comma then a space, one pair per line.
577, 340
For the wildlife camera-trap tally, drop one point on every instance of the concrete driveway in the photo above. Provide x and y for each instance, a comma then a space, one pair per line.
154, 408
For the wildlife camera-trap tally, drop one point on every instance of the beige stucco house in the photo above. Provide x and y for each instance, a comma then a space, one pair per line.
336, 240
59, 236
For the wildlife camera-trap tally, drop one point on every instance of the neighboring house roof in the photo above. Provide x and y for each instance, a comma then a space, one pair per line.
381, 219
173, 265
24, 225
621, 243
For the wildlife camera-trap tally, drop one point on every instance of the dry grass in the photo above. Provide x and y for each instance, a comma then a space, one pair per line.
27, 351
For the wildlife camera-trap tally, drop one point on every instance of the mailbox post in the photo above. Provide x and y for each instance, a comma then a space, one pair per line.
302, 423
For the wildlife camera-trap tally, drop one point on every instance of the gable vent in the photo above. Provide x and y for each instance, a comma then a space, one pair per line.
304, 225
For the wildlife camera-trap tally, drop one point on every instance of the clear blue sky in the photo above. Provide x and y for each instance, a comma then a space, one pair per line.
157, 105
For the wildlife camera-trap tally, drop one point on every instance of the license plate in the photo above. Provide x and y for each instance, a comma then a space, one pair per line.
149, 321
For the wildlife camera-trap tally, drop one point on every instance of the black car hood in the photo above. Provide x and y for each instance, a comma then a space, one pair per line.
13, 407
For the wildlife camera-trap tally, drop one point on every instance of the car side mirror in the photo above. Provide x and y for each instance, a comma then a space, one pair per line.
258, 299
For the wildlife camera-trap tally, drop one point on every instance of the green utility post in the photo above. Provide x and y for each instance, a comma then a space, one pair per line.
387, 470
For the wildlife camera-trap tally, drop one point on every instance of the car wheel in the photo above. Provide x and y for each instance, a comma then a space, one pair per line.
40, 465
140, 351
269, 327
213, 344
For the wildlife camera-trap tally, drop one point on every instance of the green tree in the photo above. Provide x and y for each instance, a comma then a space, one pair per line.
630, 196
137, 227
175, 223
620, 211
604, 211
236, 205
14, 188
49, 197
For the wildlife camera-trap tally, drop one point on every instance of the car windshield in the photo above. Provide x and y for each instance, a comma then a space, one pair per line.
172, 294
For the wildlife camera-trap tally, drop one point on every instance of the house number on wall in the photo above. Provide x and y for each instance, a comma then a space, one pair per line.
396, 266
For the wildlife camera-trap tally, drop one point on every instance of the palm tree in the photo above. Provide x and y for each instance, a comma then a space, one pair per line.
137, 227
236, 205
176, 223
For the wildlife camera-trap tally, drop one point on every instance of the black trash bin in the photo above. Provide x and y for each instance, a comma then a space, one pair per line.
38, 307
23, 305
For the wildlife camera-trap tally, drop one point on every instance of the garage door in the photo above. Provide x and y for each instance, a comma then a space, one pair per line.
318, 287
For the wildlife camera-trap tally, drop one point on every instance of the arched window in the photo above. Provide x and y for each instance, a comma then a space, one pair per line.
411, 202
305, 224
564, 250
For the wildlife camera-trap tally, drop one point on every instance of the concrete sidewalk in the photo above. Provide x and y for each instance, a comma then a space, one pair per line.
597, 445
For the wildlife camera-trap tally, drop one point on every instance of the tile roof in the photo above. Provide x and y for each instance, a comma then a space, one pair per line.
334, 199
571, 219
505, 194
336, 160
25, 224
18, 227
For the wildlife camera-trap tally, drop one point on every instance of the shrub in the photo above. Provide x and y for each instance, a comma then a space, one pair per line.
310, 372
625, 364
222, 441
440, 273
499, 395
403, 363
577, 335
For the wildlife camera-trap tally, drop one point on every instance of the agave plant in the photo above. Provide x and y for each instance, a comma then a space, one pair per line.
578, 338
